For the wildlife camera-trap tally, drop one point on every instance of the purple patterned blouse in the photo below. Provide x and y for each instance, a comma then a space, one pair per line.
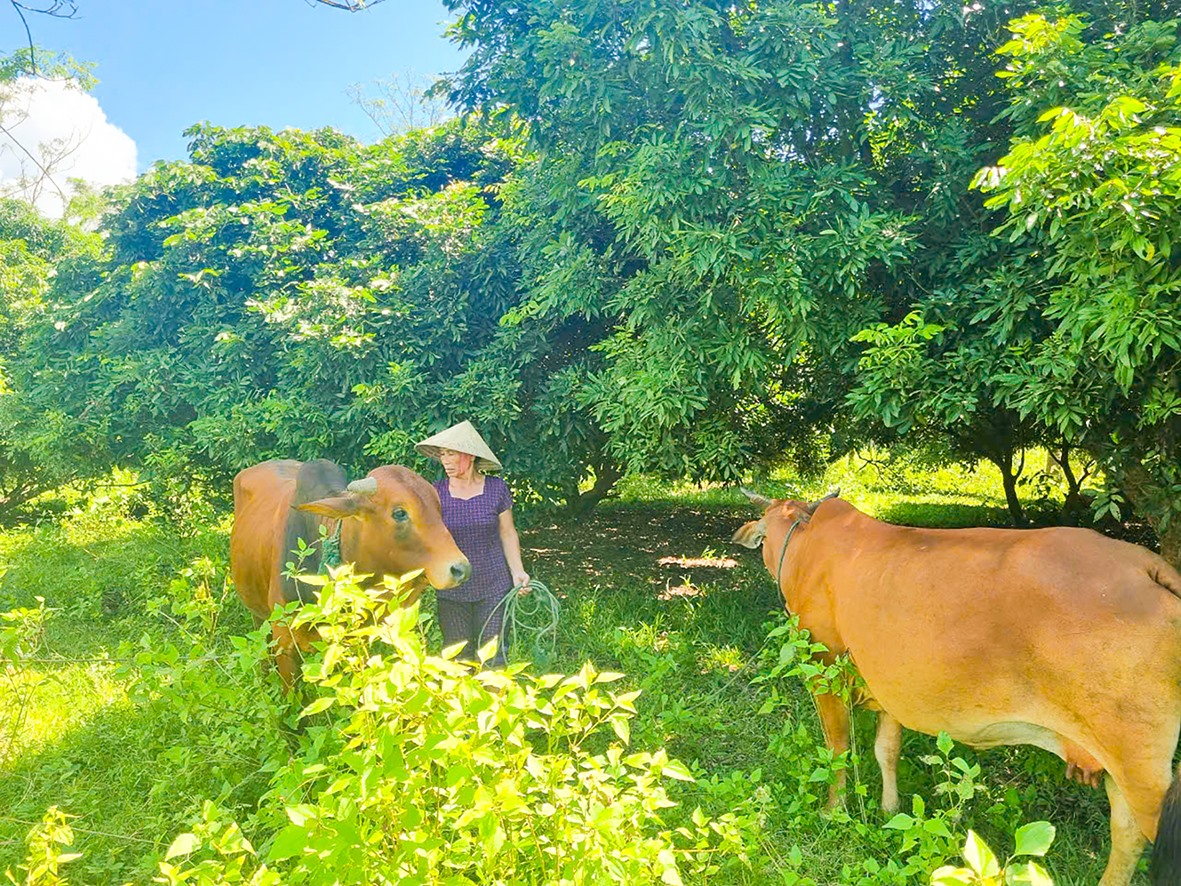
474, 523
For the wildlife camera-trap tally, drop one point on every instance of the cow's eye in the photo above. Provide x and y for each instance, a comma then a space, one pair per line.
400, 515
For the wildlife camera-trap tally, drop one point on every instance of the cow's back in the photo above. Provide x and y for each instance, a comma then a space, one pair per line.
960, 629
263, 495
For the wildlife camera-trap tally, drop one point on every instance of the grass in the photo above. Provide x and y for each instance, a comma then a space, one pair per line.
650, 587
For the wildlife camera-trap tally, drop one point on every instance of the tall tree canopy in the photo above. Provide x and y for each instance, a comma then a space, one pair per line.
781, 193
297, 294
763, 180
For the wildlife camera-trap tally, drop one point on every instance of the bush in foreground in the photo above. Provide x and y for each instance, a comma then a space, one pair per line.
414, 768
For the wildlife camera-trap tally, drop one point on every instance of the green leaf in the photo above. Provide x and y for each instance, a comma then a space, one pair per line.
1034, 838
622, 728
678, 770
320, 704
184, 844
288, 843
953, 876
609, 677
1028, 873
979, 857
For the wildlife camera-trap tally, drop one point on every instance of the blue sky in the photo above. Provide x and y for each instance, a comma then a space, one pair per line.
163, 65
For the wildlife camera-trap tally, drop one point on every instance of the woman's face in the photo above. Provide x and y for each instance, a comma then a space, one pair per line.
456, 464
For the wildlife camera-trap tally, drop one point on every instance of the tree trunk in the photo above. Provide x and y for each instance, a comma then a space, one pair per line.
1075, 506
1004, 463
579, 504
1016, 513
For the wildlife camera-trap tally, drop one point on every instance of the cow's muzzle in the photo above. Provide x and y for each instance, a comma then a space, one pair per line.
461, 571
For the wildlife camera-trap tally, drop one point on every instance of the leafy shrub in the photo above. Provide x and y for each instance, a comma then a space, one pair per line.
415, 768
927, 834
45, 848
984, 869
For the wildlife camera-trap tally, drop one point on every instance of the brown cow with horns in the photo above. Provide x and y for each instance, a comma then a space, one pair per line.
388, 524
1060, 638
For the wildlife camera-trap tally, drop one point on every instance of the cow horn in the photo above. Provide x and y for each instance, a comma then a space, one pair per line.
365, 486
760, 500
835, 492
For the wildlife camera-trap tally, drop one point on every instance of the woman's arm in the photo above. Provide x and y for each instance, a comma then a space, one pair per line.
511, 542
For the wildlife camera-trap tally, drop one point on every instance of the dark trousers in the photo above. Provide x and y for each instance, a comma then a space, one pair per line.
463, 622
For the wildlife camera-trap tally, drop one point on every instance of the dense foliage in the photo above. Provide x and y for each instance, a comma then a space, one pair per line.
38, 447
296, 295
1073, 341
786, 178
421, 771
689, 238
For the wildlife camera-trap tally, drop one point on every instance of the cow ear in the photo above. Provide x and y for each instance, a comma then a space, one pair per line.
340, 506
751, 534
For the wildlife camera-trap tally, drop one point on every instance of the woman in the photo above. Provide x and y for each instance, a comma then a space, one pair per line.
478, 511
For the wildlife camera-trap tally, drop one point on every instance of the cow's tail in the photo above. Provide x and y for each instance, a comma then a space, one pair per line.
1166, 849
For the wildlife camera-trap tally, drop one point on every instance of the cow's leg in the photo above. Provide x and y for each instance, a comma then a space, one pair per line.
1127, 839
886, 748
834, 722
1136, 787
286, 655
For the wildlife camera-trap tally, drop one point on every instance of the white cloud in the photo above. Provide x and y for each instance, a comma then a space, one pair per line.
68, 132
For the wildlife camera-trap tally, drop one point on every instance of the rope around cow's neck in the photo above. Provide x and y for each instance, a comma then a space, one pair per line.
787, 541
782, 554
534, 615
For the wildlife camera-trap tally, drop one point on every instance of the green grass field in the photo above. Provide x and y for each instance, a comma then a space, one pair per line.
650, 586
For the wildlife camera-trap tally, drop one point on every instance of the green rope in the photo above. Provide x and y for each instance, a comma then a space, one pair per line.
532, 618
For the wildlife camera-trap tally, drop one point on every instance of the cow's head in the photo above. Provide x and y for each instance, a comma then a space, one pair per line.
393, 525
778, 516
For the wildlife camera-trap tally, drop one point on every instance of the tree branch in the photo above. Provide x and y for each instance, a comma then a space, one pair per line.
28, 35
44, 172
350, 5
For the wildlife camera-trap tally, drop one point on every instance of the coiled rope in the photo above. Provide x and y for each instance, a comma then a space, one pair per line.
532, 618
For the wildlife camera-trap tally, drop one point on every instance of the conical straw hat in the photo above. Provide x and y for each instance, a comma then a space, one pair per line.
462, 438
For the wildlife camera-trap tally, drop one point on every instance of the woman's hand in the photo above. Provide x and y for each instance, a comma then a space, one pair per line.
521, 581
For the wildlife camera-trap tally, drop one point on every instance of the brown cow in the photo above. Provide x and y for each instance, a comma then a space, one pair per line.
1059, 638
388, 523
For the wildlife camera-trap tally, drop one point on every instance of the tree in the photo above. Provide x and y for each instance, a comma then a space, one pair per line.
759, 182
297, 294
1093, 184
39, 448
